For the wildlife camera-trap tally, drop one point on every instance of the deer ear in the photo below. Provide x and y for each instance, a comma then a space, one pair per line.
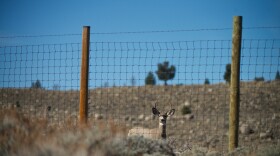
155, 111
171, 112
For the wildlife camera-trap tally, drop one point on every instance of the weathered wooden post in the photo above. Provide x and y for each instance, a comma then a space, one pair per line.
234, 84
84, 76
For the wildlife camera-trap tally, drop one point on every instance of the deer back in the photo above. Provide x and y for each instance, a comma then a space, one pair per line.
147, 133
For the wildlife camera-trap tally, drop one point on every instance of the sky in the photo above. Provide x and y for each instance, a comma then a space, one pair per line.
27, 22
33, 17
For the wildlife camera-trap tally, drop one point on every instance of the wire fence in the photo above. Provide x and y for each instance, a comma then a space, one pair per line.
43, 81
119, 70
259, 99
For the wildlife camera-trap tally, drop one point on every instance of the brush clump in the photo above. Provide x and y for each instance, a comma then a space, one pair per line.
21, 136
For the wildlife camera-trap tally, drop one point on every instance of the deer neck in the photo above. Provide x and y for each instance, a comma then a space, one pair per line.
162, 130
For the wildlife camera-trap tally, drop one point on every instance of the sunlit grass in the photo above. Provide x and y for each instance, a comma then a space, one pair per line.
20, 136
25, 137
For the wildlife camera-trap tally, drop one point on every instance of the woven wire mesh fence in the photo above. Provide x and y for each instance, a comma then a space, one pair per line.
41, 81
118, 73
259, 93
198, 92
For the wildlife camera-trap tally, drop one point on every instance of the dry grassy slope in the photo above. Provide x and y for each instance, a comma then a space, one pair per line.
259, 109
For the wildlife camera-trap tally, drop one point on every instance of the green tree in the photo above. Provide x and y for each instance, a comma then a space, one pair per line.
207, 82
227, 74
277, 76
259, 78
150, 79
165, 72
36, 85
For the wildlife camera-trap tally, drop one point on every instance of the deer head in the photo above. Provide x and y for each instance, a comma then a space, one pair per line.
155, 133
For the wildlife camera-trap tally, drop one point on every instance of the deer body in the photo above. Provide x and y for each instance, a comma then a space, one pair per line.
148, 133
155, 133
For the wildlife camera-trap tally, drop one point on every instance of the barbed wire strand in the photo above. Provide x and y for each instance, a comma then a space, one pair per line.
139, 32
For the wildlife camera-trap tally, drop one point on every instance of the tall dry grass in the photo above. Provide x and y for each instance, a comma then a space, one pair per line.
22, 136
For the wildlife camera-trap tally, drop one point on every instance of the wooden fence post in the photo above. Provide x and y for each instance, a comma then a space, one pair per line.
234, 84
84, 76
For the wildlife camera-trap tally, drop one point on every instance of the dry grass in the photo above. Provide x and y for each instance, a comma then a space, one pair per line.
21, 136
131, 106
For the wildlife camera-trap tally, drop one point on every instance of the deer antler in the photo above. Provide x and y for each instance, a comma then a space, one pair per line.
155, 104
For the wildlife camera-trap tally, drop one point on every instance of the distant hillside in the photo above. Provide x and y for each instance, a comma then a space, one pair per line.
207, 125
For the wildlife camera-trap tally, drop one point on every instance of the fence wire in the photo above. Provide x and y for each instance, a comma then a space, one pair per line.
42, 81
260, 87
118, 71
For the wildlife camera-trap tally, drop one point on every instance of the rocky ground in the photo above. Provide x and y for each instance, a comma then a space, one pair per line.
206, 125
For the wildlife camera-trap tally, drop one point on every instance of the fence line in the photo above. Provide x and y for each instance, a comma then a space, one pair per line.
141, 32
118, 73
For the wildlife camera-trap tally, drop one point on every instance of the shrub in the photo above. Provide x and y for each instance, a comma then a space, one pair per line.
20, 136
277, 76
186, 110
150, 79
227, 74
36, 85
259, 79
206, 82
269, 151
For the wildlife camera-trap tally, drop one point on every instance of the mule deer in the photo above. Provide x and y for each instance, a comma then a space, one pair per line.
155, 133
